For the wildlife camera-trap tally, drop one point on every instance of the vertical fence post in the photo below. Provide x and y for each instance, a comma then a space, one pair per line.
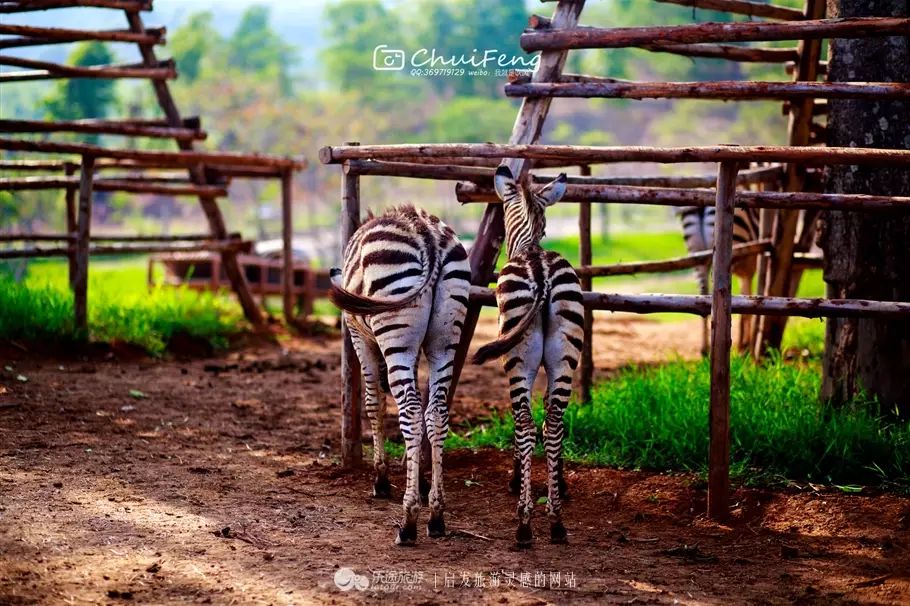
584, 259
766, 226
287, 234
351, 447
526, 130
83, 235
70, 198
721, 342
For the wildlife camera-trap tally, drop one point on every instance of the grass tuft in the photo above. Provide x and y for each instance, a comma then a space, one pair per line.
656, 418
120, 308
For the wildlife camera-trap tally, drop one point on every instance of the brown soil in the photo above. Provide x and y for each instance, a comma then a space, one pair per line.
219, 484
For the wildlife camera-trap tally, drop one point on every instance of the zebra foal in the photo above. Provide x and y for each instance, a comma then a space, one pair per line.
404, 288
540, 321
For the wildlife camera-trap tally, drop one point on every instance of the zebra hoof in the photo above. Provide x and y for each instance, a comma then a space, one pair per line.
436, 527
382, 488
407, 535
524, 538
558, 534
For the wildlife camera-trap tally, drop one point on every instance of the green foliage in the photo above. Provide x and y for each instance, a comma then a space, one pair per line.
472, 120
353, 30
79, 98
656, 418
120, 308
255, 47
192, 43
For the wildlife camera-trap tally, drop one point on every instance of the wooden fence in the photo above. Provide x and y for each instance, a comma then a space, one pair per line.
783, 250
205, 175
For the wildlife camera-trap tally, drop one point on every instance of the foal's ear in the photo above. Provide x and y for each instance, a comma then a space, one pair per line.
554, 190
504, 184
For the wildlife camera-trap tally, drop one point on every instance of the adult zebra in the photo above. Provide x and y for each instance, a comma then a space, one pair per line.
698, 231
540, 320
405, 288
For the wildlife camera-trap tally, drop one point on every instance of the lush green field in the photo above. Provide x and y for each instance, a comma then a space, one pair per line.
120, 304
122, 307
656, 418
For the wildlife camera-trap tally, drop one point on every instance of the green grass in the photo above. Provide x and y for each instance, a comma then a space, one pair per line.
623, 247
120, 306
656, 418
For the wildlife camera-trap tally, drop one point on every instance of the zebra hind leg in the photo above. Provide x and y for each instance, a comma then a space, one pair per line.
374, 403
437, 424
522, 367
402, 361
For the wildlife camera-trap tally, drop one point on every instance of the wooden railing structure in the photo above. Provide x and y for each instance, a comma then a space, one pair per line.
186, 172
472, 165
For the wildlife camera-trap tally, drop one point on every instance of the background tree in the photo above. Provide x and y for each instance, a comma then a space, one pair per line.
256, 47
867, 255
76, 98
192, 43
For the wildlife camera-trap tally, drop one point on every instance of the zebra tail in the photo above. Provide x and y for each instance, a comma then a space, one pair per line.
365, 306
505, 343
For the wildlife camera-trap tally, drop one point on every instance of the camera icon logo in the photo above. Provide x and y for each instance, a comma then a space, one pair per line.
388, 59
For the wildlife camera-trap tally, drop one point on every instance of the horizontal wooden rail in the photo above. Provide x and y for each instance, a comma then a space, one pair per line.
213, 246
724, 90
22, 6
484, 176
667, 265
101, 127
744, 7
43, 70
160, 159
161, 238
666, 196
132, 186
574, 154
620, 37
35, 165
103, 238
36, 237
34, 36
700, 305
744, 54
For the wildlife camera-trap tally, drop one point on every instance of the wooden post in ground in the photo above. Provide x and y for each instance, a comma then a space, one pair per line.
351, 447
209, 203
287, 233
83, 235
801, 112
766, 226
70, 197
526, 130
721, 342
584, 259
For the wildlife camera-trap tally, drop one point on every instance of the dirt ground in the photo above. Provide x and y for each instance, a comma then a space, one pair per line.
219, 484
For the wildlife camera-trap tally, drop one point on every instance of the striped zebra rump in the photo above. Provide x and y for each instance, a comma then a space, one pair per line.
698, 232
404, 290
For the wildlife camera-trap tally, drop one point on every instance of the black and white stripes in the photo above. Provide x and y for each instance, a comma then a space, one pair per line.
698, 231
540, 321
404, 289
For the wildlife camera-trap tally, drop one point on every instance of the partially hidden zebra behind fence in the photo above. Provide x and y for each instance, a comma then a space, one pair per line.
540, 320
404, 288
698, 231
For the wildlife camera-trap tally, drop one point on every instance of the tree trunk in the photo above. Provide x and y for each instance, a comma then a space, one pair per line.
867, 255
